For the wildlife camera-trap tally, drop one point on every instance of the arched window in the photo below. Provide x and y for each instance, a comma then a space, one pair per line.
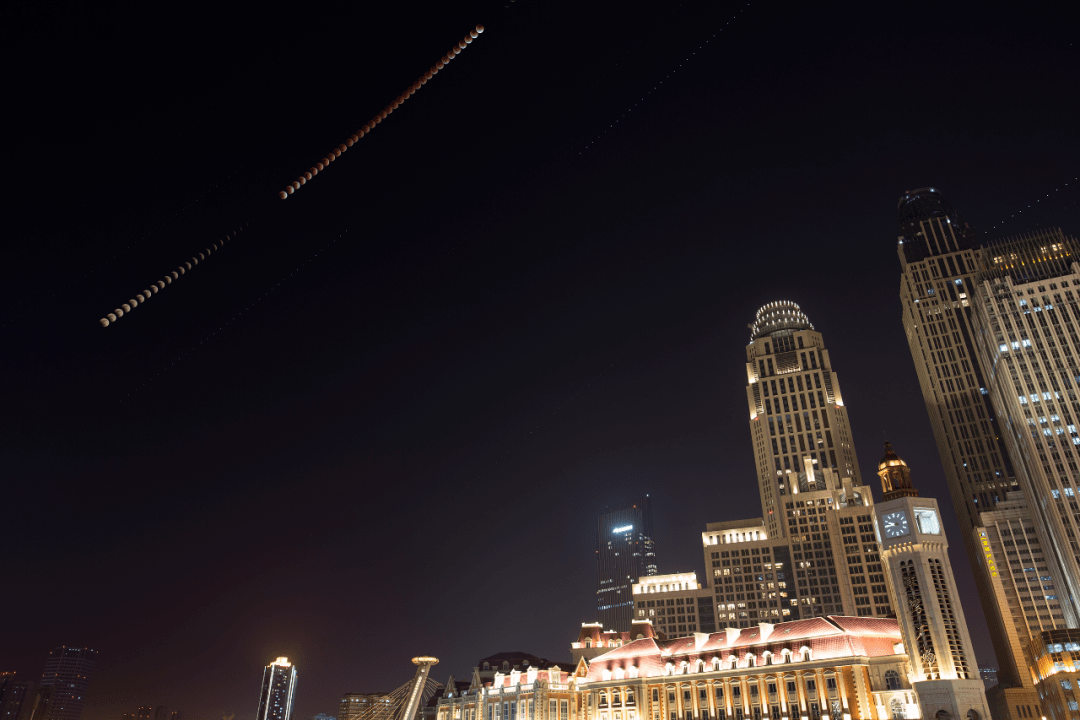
633, 674
603, 699
506, 666
943, 715
588, 642
972, 715
785, 655
716, 664
767, 657
700, 666
618, 676
669, 669
751, 661
804, 654
487, 666
607, 674
892, 680
616, 697
899, 712
733, 662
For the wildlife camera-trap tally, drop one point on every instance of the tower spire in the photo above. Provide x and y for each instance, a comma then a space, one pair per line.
895, 476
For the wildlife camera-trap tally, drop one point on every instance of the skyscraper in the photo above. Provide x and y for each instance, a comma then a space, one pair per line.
796, 409
815, 534
625, 552
940, 258
941, 261
278, 686
1027, 322
62, 691
13, 695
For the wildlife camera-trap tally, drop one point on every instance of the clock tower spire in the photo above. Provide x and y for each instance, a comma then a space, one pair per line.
895, 475
943, 668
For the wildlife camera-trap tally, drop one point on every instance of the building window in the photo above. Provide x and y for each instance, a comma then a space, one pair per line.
892, 680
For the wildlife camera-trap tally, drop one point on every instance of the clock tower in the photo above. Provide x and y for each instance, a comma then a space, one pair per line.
943, 669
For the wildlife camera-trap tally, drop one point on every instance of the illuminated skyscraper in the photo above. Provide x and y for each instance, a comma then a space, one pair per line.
62, 691
797, 411
1027, 323
278, 686
625, 552
941, 263
813, 551
940, 258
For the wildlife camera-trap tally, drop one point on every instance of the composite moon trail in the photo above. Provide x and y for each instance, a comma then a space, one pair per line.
335, 153
157, 286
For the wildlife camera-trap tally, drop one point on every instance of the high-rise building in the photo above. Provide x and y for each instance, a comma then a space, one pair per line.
366, 706
676, 604
278, 687
62, 691
796, 409
13, 695
813, 551
943, 670
941, 261
161, 713
1055, 663
625, 553
1027, 325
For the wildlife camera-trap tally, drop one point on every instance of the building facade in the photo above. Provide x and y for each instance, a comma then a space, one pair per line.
941, 262
1055, 669
797, 411
676, 604
62, 691
943, 669
1011, 557
625, 553
13, 696
278, 687
366, 706
837, 668
522, 694
1027, 323
813, 551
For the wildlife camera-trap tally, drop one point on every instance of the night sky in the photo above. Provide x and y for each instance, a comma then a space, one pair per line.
382, 422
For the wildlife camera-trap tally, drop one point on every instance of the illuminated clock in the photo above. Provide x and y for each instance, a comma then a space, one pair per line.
927, 521
895, 524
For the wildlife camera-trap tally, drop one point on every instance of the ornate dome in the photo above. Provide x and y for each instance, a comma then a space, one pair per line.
890, 459
776, 316
895, 475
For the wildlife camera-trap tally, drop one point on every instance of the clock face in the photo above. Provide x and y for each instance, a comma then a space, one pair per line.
927, 521
895, 524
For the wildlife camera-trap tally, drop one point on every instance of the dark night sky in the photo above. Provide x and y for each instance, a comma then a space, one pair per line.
383, 421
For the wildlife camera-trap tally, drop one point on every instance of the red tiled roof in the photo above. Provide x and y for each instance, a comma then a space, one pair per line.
831, 637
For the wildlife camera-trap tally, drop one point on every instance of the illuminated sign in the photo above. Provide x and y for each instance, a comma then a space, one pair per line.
624, 528
988, 553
